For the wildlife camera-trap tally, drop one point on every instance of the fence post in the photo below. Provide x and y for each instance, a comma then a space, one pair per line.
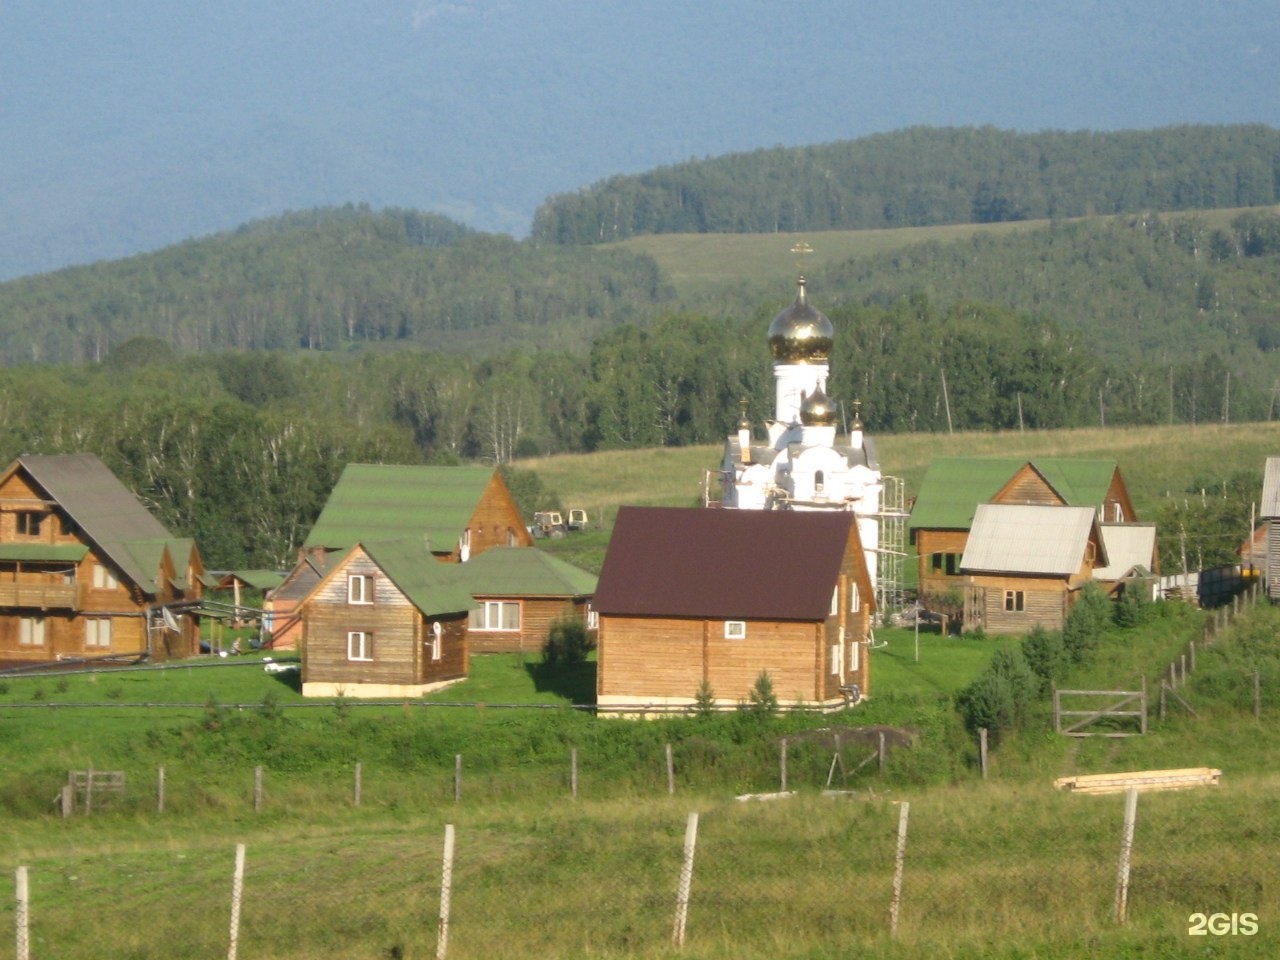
671, 772
257, 788
1192, 662
446, 891
686, 879
457, 778
160, 790
782, 765
237, 893
22, 914
573, 772
1126, 854
899, 861
880, 751
359, 784
982, 750
88, 790
68, 800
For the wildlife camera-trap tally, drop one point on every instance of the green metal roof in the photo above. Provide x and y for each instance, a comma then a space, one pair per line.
37, 552
384, 502
431, 586
954, 486
524, 572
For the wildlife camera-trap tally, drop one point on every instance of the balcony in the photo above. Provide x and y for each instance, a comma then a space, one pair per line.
43, 596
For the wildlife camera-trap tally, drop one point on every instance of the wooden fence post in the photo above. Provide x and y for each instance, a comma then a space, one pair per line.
782, 765
88, 790
22, 914
257, 788
237, 893
359, 784
446, 892
671, 772
457, 778
982, 750
160, 790
1126, 854
880, 751
573, 772
686, 879
899, 861
68, 800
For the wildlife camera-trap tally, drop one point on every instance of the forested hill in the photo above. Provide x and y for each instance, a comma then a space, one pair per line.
922, 176
328, 279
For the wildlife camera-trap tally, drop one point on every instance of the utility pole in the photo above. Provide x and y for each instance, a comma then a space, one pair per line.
946, 401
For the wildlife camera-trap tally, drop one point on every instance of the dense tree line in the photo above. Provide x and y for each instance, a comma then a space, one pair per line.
924, 175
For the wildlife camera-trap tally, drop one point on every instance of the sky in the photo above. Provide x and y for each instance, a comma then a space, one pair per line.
127, 127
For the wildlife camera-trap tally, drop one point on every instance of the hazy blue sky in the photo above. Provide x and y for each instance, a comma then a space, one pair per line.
127, 126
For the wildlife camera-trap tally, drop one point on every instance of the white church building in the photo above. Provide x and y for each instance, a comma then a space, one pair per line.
797, 460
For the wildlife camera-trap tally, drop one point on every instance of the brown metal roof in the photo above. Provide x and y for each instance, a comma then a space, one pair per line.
731, 564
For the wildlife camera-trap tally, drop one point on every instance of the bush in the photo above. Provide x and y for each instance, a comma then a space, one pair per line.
704, 701
1045, 655
1084, 624
762, 701
567, 643
987, 703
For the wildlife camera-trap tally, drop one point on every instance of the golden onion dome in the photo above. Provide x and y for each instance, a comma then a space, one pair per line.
817, 410
801, 333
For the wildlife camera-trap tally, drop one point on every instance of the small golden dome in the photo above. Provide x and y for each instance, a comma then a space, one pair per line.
817, 410
801, 333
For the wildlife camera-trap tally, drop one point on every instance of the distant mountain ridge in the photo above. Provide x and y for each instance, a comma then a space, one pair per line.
925, 176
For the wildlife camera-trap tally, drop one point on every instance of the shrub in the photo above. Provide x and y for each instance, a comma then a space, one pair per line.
1084, 624
987, 702
704, 701
1045, 655
568, 642
762, 701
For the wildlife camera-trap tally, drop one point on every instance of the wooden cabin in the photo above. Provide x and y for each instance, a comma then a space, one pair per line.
459, 512
1132, 559
691, 596
1269, 512
953, 487
386, 620
86, 571
520, 595
1024, 564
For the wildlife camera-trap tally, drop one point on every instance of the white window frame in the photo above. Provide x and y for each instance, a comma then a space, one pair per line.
97, 632
31, 631
490, 616
835, 600
854, 654
735, 629
855, 597
359, 646
104, 578
359, 589
437, 648
593, 618
837, 658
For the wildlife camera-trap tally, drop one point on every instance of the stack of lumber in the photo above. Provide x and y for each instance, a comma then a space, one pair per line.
1141, 780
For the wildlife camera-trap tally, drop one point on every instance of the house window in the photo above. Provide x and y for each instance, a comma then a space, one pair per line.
1014, 601
360, 646
97, 633
359, 588
819, 481
31, 631
855, 598
104, 578
593, 619
835, 600
496, 615
437, 632
853, 656
837, 666
945, 564
735, 629
28, 522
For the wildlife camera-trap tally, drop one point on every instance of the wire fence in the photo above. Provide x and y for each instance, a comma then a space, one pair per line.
807, 875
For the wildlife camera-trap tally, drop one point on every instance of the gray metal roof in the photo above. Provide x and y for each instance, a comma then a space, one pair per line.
1270, 506
1028, 538
1128, 545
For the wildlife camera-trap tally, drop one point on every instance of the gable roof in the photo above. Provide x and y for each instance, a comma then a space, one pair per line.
724, 564
524, 572
1128, 545
954, 486
105, 510
1270, 506
431, 586
1029, 538
383, 502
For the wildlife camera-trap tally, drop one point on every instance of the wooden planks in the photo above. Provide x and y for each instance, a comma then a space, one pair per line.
1144, 780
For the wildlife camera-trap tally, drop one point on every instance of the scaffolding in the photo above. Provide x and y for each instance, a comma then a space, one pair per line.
892, 551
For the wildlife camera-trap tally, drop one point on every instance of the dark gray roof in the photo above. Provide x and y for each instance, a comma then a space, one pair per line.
730, 564
105, 510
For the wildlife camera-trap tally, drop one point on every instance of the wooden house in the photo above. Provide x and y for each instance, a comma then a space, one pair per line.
1133, 561
457, 512
1024, 564
520, 595
385, 620
1269, 512
86, 571
690, 597
953, 488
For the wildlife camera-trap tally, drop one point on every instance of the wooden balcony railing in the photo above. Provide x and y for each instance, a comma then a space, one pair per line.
45, 596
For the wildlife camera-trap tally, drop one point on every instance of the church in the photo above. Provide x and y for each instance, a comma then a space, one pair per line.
796, 461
